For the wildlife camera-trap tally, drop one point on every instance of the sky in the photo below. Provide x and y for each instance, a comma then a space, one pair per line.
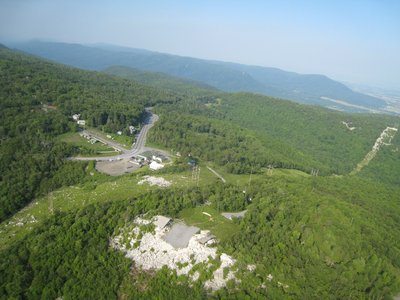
355, 41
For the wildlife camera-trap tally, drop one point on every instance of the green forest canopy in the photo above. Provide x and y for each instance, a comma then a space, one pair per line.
325, 237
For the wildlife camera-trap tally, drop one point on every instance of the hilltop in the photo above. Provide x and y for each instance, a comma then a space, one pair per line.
310, 226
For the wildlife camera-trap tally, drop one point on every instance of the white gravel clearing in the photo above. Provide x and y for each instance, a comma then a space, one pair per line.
384, 139
158, 181
151, 251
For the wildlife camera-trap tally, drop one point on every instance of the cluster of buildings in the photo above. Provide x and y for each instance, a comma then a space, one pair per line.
153, 159
76, 117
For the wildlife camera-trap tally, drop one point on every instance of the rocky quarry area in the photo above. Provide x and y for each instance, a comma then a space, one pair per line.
144, 242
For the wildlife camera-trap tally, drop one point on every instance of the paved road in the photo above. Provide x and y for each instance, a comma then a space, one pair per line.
137, 147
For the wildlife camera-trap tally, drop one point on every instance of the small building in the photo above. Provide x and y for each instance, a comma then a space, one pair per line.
161, 222
155, 166
137, 161
207, 239
132, 129
76, 117
158, 158
231, 215
192, 163
119, 132
81, 122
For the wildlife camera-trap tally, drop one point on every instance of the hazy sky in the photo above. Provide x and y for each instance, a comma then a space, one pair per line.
349, 40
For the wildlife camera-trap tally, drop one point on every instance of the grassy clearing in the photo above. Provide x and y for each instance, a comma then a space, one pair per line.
87, 148
221, 227
107, 188
102, 188
243, 180
123, 140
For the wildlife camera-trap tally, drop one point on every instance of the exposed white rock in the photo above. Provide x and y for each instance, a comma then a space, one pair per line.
384, 139
251, 268
153, 252
348, 125
158, 181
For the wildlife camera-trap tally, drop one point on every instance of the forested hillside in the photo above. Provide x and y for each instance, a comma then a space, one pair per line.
230, 77
316, 138
237, 149
37, 100
331, 236
307, 238
162, 81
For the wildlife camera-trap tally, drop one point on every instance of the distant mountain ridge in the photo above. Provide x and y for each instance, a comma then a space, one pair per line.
230, 77
162, 80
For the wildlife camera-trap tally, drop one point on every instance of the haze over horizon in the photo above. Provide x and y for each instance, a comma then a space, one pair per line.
353, 41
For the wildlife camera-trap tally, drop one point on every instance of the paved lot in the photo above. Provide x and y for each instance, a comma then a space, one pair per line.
180, 234
116, 167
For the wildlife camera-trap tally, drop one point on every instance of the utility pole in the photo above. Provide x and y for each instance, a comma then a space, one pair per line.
50, 200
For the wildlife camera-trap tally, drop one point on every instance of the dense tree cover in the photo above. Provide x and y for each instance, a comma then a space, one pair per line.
312, 130
224, 76
319, 237
162, 81
316, 136
101, 99
238, 149
70, 256
323, 237
37, 100
28, 154
385, 167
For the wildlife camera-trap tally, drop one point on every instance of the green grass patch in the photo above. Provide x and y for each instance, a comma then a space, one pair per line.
85, 146
102, 189
124, 140
221, 227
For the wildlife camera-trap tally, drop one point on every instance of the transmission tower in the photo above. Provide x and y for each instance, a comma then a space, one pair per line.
270, 170
50, 200
196, 175
314, 172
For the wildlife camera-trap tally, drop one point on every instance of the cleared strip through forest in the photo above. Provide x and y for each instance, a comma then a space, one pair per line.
216, 174
384, 139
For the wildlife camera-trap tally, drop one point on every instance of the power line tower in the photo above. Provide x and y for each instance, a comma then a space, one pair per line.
270, 169
196, 175
314, 172
50, 200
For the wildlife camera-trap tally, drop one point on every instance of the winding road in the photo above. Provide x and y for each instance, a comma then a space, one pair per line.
137, 147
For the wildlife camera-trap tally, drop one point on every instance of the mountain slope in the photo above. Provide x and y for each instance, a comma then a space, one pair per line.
309, 88
303, 237
314, 89
161, 81
37, 100
312, 137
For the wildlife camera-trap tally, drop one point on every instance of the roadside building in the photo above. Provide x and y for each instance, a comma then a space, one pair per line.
155, 166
